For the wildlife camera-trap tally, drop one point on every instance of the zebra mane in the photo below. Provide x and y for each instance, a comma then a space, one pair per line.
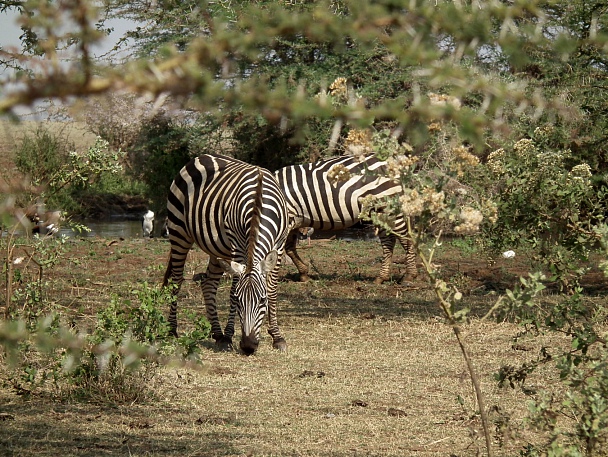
255, 222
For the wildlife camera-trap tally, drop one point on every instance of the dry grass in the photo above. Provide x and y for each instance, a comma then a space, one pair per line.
11, 134
370, 371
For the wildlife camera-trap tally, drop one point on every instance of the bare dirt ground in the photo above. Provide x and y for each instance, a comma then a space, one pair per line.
371, 370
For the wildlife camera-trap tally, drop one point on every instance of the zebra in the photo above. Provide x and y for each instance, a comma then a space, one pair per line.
236, 213
314, 202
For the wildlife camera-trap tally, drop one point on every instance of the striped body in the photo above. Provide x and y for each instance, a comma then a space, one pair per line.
236, 213
314, 202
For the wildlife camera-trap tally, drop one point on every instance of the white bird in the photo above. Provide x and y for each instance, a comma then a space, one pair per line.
48, 223
508, 254
147, 224
305, 233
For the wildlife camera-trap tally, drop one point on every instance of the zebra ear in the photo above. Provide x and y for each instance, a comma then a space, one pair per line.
232, 268
268, 264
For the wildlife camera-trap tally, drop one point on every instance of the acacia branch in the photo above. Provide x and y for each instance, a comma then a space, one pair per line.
447, 310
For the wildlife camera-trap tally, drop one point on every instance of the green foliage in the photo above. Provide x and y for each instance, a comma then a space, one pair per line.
545, 199
469, 246
110, 185
60, 172
113, 362
144, 322
159, 152
138, 324
142, 319
575, 418
249, 138
40, 155
190, 341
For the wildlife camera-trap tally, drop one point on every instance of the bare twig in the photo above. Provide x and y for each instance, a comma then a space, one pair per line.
439, 289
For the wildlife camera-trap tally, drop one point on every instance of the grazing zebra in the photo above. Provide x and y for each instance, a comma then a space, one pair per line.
236, 213
314, 202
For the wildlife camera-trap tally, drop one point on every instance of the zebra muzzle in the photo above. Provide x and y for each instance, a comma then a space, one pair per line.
249, 344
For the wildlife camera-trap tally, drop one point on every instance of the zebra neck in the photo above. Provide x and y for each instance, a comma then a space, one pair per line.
254, 229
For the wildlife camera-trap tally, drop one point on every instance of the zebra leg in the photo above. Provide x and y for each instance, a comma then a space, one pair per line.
278, 342
410, 257
173, 307
388, 245
229, 330
401, 231
174, 275
209, 286
291, 250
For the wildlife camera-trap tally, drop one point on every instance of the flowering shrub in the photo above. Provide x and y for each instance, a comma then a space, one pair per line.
544, 200
428, 195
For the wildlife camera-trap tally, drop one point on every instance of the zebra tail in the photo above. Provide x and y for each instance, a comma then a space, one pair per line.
168, 272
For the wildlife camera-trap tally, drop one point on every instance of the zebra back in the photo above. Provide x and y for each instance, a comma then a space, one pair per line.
230, 209
255, 222
315, 202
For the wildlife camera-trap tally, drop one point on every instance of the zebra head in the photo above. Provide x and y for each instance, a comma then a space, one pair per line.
249, 295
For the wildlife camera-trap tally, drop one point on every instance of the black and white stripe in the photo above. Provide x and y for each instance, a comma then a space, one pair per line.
315, 202
236, 213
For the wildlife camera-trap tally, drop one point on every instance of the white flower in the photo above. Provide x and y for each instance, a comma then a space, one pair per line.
469, 221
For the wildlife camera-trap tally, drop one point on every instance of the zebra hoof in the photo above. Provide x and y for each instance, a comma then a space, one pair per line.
224, 344
379, 280
280, 344
304, 278
199, 278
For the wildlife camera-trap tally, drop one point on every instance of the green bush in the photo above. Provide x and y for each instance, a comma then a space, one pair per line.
546, 200
159, 152
575, 417
41, 154
113, 363
61, 174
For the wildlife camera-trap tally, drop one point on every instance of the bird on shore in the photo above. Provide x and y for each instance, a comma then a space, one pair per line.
305, 233
47, 223
147, 224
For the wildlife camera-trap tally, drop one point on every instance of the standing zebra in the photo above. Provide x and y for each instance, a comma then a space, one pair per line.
237, 214
314, 202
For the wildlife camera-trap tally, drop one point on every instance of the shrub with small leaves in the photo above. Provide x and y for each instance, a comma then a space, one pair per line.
546, 201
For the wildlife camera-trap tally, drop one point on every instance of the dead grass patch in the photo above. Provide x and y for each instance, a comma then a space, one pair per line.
370, 371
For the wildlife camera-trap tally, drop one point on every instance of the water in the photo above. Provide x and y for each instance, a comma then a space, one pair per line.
123, 228
104, 229
109, 229
350, 234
